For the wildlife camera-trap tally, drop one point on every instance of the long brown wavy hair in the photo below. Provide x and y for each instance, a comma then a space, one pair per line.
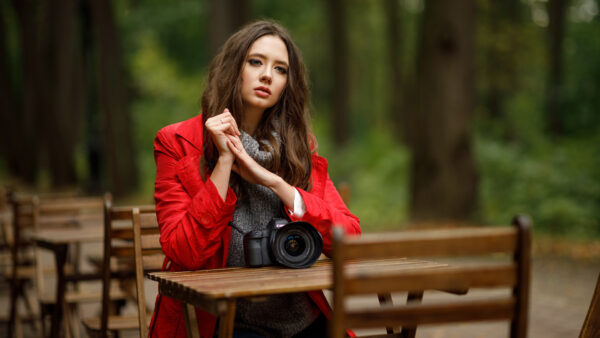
289, 117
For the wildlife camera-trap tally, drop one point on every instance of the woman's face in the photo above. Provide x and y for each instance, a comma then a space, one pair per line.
265, 73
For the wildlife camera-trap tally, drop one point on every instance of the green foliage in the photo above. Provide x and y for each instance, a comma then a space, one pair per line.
581, 97
559, 186
377, 170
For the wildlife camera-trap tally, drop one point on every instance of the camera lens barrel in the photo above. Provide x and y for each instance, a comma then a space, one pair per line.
296, 244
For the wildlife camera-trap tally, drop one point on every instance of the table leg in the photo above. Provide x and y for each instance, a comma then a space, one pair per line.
191, 325
226, 320
60, 254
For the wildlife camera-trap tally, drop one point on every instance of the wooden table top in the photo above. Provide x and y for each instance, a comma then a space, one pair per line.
228, 283
67, 236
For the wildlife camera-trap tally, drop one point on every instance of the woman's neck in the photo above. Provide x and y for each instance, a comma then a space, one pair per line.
252, 118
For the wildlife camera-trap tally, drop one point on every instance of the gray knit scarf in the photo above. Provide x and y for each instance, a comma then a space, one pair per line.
274, 316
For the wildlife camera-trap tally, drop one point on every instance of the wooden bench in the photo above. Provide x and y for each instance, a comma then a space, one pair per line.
591, 325
149, 257
484, 257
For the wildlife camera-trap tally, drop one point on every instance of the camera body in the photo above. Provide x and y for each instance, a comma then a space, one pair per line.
293, 244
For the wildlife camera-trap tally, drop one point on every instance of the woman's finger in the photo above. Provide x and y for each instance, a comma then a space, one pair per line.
228, 118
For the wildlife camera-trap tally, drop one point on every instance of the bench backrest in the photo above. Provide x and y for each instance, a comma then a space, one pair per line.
489, 242
148, 257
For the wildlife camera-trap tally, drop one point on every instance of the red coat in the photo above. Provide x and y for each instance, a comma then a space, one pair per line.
193, 219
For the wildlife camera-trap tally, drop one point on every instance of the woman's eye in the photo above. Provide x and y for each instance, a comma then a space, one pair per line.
281, 70
254, 62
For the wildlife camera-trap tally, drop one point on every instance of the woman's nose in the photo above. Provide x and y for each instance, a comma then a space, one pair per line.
266, 76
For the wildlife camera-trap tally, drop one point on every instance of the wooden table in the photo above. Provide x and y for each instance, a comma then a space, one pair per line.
58, 241
216, 291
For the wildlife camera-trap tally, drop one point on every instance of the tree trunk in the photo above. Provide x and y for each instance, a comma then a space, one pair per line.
94, 147
444, 177
339, 52
8, 113
556, 31
224, 18
62, 127
26, 144
118, 136
394, 45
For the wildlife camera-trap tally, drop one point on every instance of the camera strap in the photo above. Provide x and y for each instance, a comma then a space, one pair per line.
233, 225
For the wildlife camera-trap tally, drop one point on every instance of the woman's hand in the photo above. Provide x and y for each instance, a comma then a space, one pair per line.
254, 173
245, 166
219, 126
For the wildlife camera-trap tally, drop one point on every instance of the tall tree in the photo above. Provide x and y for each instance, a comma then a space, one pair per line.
502, 22
394, 45
114, 105
443, 175
63, 116
556, 32
24, 154
224, 18
339, 53
7, 100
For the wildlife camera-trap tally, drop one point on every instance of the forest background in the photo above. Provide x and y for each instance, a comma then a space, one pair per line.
432, 110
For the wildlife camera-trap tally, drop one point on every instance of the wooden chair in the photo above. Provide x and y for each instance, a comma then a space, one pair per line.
5, 230
502, 260
591, 325
148, 257
21, 270
66, 213
118, 266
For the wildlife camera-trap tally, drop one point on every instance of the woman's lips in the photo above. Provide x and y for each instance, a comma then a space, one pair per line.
262, 91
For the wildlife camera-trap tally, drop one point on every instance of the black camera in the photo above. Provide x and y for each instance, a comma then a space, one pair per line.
292, 244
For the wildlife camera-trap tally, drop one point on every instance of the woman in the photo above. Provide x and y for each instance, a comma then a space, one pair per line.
248, 158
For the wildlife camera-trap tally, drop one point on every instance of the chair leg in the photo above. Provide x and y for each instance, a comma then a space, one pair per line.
30, 305
72, 319
12, 321
413, 297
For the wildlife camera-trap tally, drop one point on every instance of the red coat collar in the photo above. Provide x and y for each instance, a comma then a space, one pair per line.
191, 130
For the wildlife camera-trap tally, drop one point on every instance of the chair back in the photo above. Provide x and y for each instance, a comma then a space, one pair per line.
484, 245
148, 257
65, 213
118, 259
591, 325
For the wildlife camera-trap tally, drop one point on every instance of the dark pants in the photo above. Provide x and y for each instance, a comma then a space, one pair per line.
317, 329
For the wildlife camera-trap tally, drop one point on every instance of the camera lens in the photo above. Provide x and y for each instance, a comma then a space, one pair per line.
296, 244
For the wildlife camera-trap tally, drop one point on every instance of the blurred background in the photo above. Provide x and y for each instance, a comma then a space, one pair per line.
432, 111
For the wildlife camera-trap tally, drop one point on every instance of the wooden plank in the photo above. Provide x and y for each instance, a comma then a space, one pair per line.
440, 279
124, 212
432, 243
153, 262
151, 241
413, 315
522, 258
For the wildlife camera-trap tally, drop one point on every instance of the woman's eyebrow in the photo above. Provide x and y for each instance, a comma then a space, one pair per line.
262, 56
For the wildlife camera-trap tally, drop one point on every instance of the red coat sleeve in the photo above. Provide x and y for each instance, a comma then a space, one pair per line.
325, 207
193, 219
